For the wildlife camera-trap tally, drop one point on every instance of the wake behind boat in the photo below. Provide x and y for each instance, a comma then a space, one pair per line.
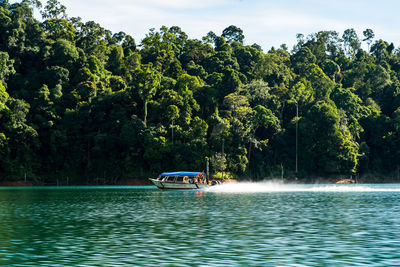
182, 180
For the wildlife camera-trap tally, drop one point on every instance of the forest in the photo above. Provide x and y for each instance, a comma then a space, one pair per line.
82, 105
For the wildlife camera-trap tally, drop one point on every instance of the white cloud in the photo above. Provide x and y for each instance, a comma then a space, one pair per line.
264, 22
151, 4
187, 4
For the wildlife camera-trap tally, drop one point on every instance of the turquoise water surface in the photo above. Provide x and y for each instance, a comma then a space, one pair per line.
243, 224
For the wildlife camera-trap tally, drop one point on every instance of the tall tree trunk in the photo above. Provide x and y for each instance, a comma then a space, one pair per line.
145, 112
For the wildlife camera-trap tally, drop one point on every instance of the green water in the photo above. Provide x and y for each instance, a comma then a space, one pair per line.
235, 225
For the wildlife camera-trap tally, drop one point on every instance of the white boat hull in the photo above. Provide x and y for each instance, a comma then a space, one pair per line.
174, 185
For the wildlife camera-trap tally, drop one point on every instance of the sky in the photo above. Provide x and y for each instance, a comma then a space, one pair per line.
265, 22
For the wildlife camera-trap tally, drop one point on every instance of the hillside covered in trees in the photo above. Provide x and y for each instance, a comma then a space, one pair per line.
79, 103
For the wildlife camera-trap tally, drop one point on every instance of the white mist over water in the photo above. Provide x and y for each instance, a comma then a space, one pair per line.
271, 187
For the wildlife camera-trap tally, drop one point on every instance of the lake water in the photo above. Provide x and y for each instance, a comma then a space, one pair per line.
243, 224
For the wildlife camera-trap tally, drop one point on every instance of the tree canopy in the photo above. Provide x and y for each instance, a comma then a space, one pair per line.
81, 104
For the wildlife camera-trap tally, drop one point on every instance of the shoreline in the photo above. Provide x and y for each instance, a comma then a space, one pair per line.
141, 181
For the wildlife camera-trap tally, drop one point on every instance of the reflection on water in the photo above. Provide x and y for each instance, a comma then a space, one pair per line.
270, 187
242, 224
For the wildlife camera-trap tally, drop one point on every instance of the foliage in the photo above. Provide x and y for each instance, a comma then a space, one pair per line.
81, 104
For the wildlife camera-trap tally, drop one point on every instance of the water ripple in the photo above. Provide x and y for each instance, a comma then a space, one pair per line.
270, 187
313, 225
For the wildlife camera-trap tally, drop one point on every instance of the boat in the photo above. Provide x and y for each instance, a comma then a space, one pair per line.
182, 180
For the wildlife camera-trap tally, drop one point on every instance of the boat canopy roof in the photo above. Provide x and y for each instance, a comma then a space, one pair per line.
189, 174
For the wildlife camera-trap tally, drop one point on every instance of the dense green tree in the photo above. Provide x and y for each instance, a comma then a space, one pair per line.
327, 145
321, 83
302, 59
63, 53
80, 104
147, 82
53, 10
233, 34
59, 28
351, 42
6, 66
369, 35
